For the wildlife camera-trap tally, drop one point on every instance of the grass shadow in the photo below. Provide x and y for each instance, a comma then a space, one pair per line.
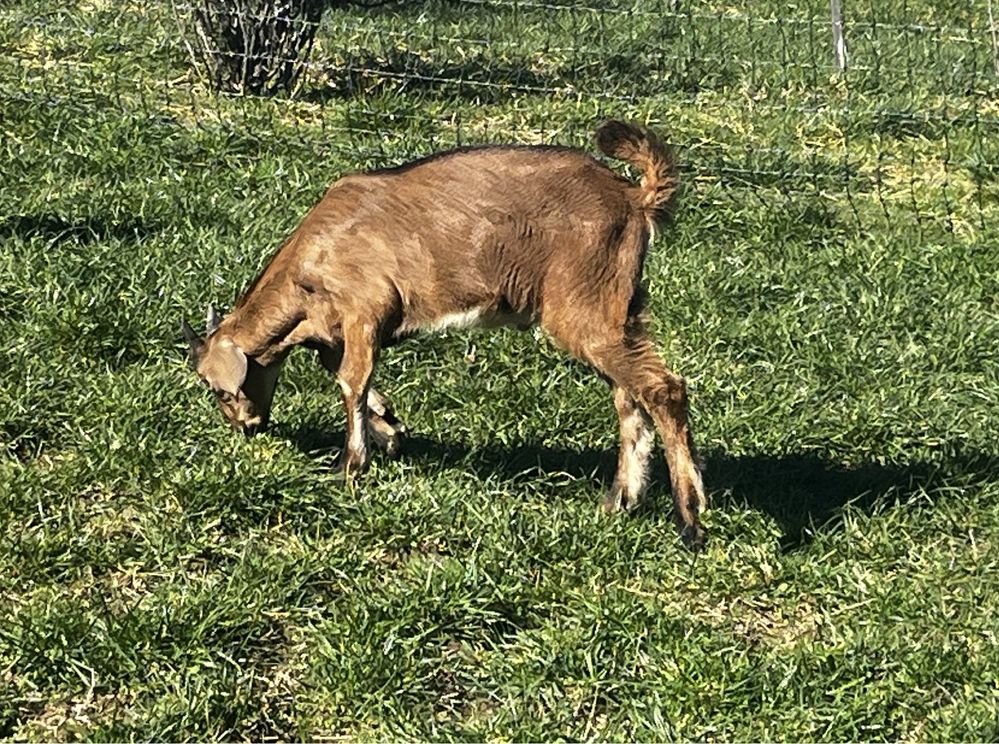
801, 492
86, 231
484, 79
484, 64
478, 79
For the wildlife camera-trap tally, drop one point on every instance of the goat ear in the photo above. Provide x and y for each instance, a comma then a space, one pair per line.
193, 341
225, 366
212, 320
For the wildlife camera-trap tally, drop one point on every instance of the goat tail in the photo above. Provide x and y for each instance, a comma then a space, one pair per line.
644, 150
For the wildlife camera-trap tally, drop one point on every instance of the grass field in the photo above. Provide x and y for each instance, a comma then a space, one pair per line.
830, 290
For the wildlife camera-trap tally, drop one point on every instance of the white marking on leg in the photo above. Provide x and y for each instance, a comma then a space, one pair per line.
637, 460
356, 443
694, 473
636, 443
376, 402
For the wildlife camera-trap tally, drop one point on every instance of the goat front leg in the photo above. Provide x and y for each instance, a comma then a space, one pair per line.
385, 430
360, 352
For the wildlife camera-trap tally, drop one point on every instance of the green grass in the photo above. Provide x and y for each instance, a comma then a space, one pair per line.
830, 291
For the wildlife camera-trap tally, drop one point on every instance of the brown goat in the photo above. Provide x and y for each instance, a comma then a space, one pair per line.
477, 236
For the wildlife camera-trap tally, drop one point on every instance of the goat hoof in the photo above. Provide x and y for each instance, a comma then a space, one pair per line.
612, 503
618, 500
393, 445
390, 444
693, 537
344, 473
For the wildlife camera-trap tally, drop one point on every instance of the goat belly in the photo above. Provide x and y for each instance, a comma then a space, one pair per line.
474, 317
461, 319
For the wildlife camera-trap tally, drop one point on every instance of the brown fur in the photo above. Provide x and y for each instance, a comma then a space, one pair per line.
484, 236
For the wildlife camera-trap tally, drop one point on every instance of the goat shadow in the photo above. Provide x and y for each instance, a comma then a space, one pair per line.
802, 492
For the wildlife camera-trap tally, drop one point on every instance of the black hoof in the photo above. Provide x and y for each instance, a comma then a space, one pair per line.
693, 537
393, 445
390, 444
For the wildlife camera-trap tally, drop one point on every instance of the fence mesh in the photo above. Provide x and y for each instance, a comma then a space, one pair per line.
903, 139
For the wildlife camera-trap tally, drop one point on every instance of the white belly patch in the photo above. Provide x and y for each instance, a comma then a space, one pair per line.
474, 317
465, 319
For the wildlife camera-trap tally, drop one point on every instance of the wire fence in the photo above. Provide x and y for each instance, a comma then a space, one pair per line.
844, 115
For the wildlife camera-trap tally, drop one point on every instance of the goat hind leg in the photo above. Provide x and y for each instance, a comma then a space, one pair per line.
635, 367
637, 435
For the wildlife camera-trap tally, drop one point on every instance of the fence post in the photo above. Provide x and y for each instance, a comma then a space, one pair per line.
995, 39
839, 40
